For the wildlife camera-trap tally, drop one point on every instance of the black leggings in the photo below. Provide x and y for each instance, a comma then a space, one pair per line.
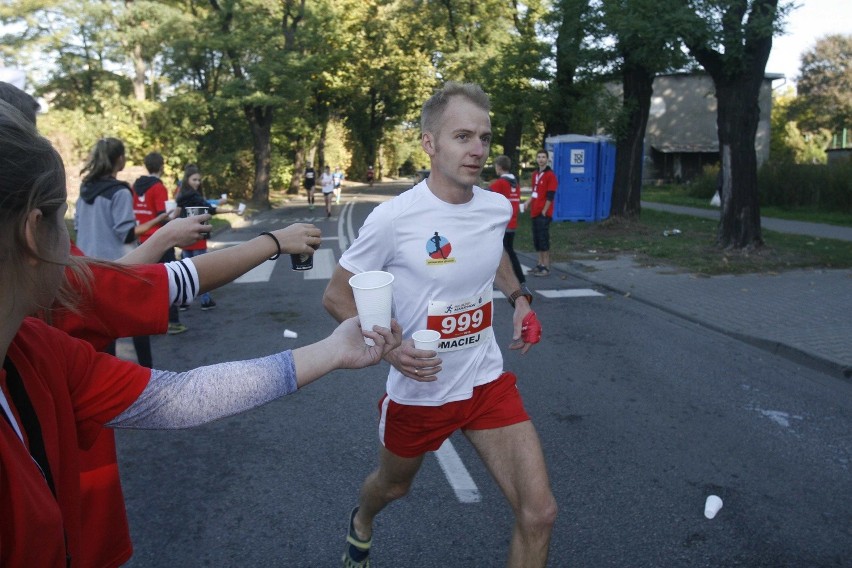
142, 345
509, 247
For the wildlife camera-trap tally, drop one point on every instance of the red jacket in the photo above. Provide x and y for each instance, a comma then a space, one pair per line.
507, 186
103, 316
149, 202
544, 185
73, 390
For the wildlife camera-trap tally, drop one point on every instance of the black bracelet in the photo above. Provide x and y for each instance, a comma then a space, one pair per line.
277, 244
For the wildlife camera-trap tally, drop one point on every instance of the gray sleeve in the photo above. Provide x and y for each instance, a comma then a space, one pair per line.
183, 400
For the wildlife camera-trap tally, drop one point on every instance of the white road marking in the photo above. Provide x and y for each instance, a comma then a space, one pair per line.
223, 244
456, 473
570, 293
324, 263
260, 273
573, 293
345, 221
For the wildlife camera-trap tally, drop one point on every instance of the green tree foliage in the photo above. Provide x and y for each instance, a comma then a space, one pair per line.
515, 77
384, 74
788, 144
644, 44
80, 39
825, 85
572, 21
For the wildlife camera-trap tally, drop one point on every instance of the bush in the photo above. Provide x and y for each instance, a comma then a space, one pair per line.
704, 185
813, 186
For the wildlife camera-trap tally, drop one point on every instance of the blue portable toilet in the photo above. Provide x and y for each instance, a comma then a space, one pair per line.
584, 167
606, 176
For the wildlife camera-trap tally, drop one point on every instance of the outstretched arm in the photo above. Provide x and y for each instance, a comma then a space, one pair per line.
222, 266
175, 233
182, 400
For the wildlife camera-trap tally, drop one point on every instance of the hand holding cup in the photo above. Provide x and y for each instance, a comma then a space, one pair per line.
373, 291
299, 238
425, 364
353, 352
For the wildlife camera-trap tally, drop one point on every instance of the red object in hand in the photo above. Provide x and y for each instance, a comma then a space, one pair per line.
531, 329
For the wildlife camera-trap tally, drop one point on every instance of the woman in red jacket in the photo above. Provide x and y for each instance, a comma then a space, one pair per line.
56, 392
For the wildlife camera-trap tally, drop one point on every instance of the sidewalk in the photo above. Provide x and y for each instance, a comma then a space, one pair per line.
804, 315
780, 225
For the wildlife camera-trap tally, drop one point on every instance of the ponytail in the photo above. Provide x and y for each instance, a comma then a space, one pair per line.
102, 159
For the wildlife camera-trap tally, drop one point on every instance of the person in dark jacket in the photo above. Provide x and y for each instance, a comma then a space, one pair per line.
189, 196
104, 217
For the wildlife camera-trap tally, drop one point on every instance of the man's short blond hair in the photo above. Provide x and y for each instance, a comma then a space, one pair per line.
433, 109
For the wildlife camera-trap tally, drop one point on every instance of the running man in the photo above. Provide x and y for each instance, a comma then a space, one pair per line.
443, 242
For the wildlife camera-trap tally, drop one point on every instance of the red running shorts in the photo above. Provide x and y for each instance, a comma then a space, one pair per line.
409, 431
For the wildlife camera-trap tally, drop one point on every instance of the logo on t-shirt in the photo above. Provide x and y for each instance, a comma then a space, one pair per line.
439, 248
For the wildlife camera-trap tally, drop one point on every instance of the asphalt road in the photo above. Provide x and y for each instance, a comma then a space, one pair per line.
642, 415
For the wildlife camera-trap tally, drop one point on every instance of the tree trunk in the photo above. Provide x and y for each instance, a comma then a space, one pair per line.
564, 91
139, 69
737, 76
320, 155
512, 140
260, 121
298, 168
737, 120
637, 82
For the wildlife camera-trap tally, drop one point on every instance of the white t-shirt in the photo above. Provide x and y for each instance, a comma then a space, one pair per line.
327, 183
444, 258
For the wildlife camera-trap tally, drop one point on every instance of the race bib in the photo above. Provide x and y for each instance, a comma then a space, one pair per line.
462, 323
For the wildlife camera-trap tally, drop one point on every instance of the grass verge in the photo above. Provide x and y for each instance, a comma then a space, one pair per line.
692, 249
679, 195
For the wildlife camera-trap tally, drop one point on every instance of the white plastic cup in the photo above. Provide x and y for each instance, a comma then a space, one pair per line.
171, 205
373, 291
426, 339
241, 209
712, 506
290, 334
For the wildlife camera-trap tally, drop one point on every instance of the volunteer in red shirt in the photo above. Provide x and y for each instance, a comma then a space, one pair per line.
544, 185
149, 202
57, 392
507, 185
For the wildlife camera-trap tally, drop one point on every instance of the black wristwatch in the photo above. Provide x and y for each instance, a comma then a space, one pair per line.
522, 291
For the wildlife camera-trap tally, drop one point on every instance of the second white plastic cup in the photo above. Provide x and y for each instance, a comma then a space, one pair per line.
712, 506
373, 293
426, 339
241, 209
171, 205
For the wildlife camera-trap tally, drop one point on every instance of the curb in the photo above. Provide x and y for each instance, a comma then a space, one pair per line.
789, 352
